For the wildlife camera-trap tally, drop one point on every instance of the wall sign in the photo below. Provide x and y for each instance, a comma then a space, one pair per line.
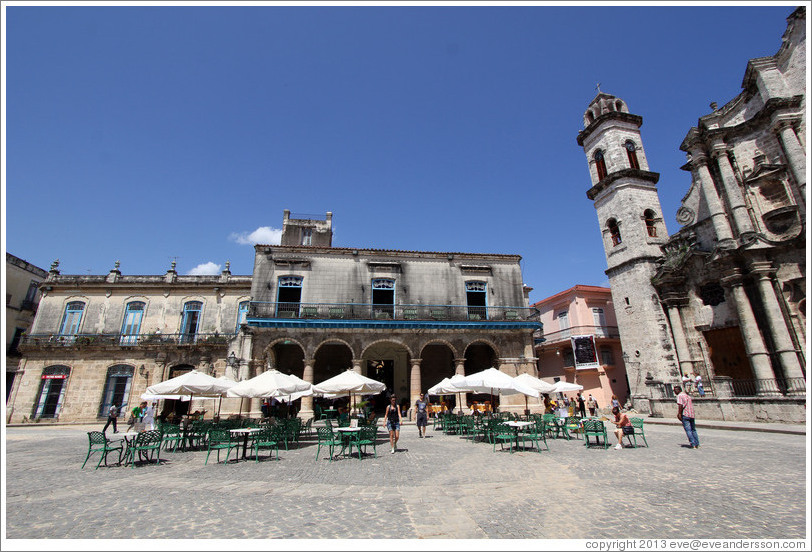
583, 347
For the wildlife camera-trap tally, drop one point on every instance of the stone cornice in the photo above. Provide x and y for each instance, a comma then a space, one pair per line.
616, 115
611, 178
698, 136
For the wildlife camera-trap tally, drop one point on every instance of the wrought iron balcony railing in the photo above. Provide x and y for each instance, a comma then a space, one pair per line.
606, 332
84, 340
361, 311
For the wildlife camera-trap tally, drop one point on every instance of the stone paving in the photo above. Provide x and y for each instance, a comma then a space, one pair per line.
739, 484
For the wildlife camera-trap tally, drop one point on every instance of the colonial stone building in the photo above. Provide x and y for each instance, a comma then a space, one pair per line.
102, 339
22, 298
725, 296
406, 318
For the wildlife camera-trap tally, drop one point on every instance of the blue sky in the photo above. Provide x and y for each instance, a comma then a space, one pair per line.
141, 134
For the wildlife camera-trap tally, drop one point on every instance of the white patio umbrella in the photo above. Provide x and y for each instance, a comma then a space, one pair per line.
191, 384
531, 381
565, 386
490, 380
451, 386
349, 383
271, 383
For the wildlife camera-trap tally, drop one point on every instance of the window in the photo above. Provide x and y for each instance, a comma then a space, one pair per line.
631, 152
18, 334
600, 165
116, 388
383, 298
51, 392
72, 319
288, 296
563, 321
132, 323
614, 231
242, 314
30, 296
476, 294
569, 358
190, 321
307, 236
651, 230
607, 358
599, 319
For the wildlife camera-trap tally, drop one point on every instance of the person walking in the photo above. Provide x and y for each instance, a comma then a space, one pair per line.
112, 415
581, 406
685, 414
135, 416
148, 417
393, 418
422, 416
615, 402
592, 404
699, 387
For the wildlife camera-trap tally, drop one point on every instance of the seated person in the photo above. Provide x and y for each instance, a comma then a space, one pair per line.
624, 426
343, 414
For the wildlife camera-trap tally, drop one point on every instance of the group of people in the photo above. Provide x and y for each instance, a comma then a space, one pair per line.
143, 413
692, 382
576, 406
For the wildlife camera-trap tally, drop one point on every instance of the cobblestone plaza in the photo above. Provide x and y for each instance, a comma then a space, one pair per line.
739, 484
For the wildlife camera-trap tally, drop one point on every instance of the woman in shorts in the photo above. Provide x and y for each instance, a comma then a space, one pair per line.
624, 426
392, 417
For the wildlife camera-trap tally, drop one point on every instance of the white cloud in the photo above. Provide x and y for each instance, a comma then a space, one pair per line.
205, 269
264, 234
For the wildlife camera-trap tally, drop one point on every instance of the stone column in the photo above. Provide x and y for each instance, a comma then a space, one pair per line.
307, 402
718, 217
793, 151
356, 365
779, 331
741, 216
414, 383
753, 342
686, 365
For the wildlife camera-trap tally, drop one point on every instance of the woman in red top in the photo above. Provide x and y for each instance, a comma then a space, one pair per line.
624, 426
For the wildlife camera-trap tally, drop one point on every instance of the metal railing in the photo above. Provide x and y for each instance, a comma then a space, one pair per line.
361, 311
123, 340
745, 388
756, 387
607, 332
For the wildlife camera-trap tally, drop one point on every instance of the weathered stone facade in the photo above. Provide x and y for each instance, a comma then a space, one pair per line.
725, 296
407, 318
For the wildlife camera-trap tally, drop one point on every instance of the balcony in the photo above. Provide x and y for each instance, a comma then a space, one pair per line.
600, 332
48, 341
321, 314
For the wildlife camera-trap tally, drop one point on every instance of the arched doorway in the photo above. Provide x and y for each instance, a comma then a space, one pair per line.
330, 360
437, 363
388, 362
481, 356
174, 408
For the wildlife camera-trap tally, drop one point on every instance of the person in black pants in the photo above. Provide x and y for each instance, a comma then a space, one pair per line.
112, 415
581, 406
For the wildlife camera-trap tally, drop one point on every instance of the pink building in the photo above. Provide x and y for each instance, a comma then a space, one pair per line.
583, 316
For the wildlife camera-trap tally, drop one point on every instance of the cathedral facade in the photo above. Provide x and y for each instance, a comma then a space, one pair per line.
724, 297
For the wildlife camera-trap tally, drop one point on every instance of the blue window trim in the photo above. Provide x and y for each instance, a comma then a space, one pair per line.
242, 313
71, 309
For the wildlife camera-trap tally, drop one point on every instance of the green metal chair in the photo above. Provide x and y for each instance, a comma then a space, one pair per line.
367, 437
637, 424
596, 429
147, 444
572, 425
502, 435
328, 439
266, 439
101, 444
535, 434
172, 436
221, 439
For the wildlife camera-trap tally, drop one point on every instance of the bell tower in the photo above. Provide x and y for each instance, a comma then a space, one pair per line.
624, 192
